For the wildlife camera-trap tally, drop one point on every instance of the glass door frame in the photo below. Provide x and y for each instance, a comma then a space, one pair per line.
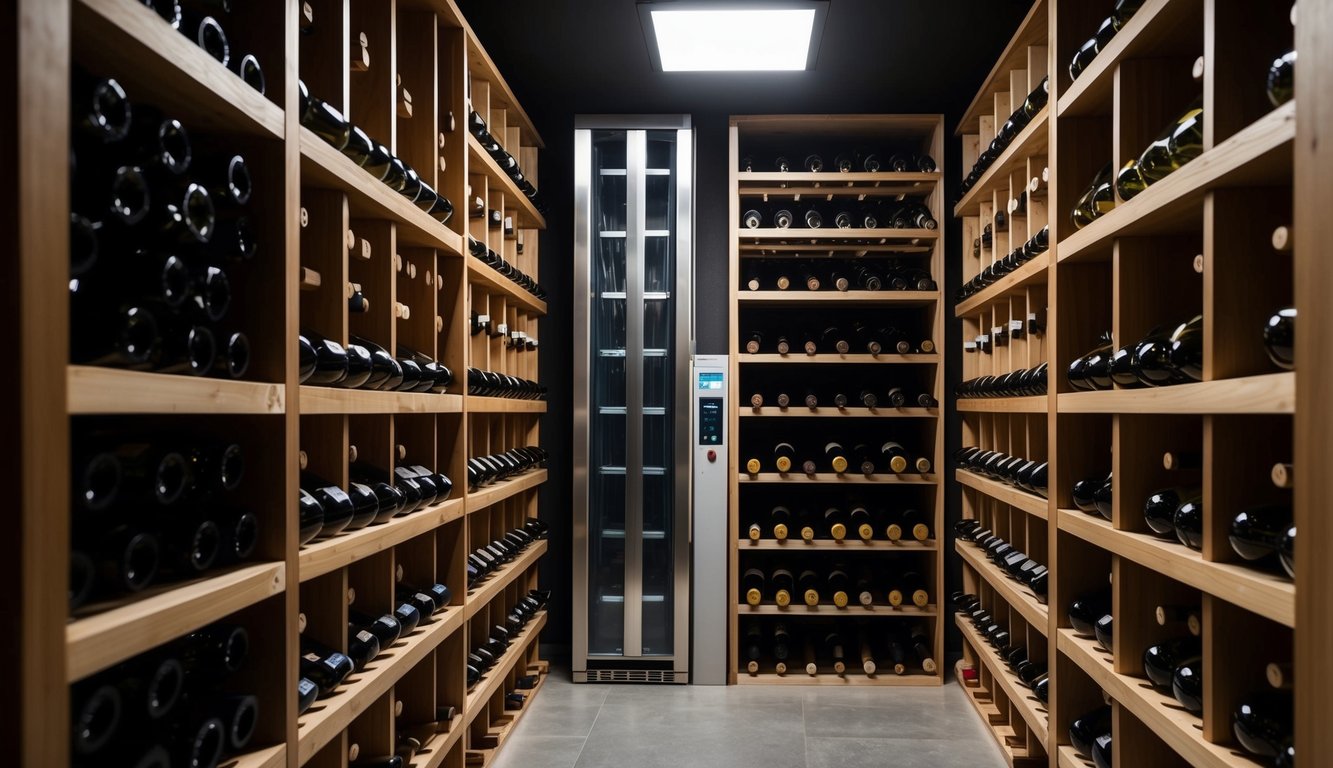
681, 354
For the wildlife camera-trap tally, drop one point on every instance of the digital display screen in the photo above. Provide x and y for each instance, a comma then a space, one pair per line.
710, 420
711, 380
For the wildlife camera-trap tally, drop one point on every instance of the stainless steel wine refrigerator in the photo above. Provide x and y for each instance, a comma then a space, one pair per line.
633, 265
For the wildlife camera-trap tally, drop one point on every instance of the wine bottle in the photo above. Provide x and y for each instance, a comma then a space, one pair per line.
837, 586
1263, 723
782, 218
1186, 355
754, 648
921, 646
752, 582
781, 518
1188, 523
861, 519
1085, 730
783, 455
206, 32
1257, 532
1160, 509
781, 644
783, 587
831, 338
1280, 84
808, 581
835, 522
752, 219
1086, 609
1187, 684
1280, 338
894, 457
1180, 617
836, 455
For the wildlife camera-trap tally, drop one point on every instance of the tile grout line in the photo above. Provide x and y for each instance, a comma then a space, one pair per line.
805, 736
595, 718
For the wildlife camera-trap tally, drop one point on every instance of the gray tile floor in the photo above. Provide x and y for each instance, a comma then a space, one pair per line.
641, 726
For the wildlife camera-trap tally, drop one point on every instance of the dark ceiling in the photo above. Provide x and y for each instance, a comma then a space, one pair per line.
586, 56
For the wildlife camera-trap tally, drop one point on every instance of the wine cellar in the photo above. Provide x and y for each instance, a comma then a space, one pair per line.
783, 383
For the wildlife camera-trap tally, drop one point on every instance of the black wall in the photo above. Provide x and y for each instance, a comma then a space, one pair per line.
570, 57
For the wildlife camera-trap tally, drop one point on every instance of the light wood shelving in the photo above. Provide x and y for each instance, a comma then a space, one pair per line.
1183, 246
315, 213
751, 427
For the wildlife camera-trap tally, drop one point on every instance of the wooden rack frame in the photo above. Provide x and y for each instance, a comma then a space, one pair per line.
323, 224
1131, 269
923, 133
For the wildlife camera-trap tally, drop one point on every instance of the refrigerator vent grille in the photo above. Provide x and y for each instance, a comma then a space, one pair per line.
634, 676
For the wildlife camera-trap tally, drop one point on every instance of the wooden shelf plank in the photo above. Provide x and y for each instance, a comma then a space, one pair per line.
97, 642
436, 749
823, 235
839, 298
481, 595
332, 400
794, 412
267, 757
1033, 140
825, 478
483, 164
834, 184
833, 359
1033, 404
1267, 393
94, 390
501, 491
504, 405
1021, 697
829, 545
997, 723
1259, 155
324, 166
325, 555
830, 250
1266, 594
513, 716
1032, 31
853, 677
332, 715
1154, 22
825, 610
1033, 505
150, 57
481, 66
1160, 712
1032, 609
1030, 274
494, 677
494, 282
1068, 757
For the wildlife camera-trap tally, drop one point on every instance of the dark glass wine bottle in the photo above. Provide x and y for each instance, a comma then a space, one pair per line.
1280, 338
1160, 510
1187, 684
1160, 660
1188, 522
1257, 532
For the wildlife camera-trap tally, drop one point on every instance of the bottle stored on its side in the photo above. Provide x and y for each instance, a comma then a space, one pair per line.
753, 583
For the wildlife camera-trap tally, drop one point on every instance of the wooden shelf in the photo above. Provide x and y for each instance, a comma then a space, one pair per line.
330, 716
326, 555
1033, 140
1266, 594
1032, 31
1257, 155
827, 478
99, 641
831, 359
483, 164
266, 757
834, 183
1032, 404
433, 753
826, 677
1068, 757
1034, 612
839, 298
496, 283
1268, 393
824, 235
825, 610
332, 400
494, 677
504, 405
1159, 712
324, 166
481, 595
1030, 274
94, 390
997, 723
829, 545
1021, 697
795, 412
501, 491
831, 250
1029, 503
512, 717
1156, 25
149, 57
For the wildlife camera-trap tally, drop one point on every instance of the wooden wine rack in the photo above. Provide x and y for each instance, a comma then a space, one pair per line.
322, 223
923, 427
1131, 269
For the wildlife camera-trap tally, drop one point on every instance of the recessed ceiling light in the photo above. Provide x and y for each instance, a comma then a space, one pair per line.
780, 35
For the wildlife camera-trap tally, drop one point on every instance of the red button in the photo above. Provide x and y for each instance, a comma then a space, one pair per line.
712, 455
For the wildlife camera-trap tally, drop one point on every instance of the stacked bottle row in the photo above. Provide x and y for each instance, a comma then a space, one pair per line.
868, 459
1008, 131
154, 506
484, 656
160, 228
857, 339
839, 275
867, 523
184, 703
483, 471
1015, 563
869, 648
1032, 669
491, 384
363, 364
865, 397
782, 584
476, 125
989, 275
484, 560
327, 510
847, 214
860, 160
1027, 474
495, 261
1025, 382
